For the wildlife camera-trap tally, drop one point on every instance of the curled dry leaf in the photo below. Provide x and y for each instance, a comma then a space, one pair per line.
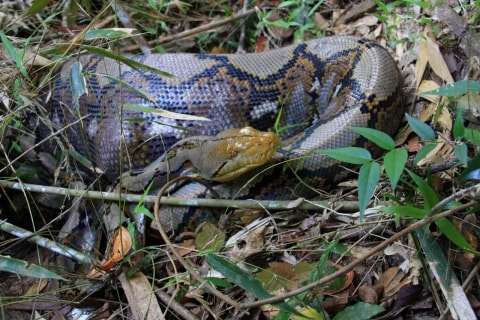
122, 243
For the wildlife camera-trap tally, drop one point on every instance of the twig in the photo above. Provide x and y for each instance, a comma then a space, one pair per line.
203, 28
274, 205
44, 242
124, 18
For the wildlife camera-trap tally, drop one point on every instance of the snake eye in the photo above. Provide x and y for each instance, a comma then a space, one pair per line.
233, 154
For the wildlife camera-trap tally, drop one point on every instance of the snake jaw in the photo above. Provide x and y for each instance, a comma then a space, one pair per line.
237, 151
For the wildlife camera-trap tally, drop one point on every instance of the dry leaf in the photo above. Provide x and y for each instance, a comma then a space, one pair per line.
209, 237
428, 85
437, 62
122, 243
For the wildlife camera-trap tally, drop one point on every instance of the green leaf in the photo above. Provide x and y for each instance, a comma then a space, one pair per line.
78, 83
108, 33
455, 89
394, 162
244, 280
472, 171
163, 113
423, 152
458, 125
368, 178
218, 282
36, 7
359, 311
409, 211
125, 59
352, 155
452, 233
14, 54
472, 135
421, 129
21, 267
378, 137
461, 152
430, 197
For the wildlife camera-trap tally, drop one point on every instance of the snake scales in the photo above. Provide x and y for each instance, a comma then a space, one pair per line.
321, 88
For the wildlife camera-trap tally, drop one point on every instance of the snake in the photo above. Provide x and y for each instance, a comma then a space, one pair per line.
288, 102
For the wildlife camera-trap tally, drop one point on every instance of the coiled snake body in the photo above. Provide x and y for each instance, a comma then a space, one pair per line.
315, 90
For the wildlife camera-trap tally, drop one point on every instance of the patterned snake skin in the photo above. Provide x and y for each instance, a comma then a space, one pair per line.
321, 88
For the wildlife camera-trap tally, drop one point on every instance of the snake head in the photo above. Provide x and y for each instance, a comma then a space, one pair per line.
234, 152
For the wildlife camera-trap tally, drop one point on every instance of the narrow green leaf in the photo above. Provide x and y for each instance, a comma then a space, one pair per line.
163, 113
458, 125
394, 162
36, 7
21, 267
125, 59
430, 197
455, 89
378, 137
352, 155
453, 234
244, 280
461, 152
368, 178
409, 211
423, 130
14, 54
78, 83
359, 311
108, 33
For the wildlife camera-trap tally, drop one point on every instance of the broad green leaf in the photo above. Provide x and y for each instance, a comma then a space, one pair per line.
368, 178
394, 162
461, 152
452, 233
472, 171
352, 155
423, 152
378, 137
430, 197
409, 211
421, 129
21, 267
472, 135
244, 280
359, 311
455, 89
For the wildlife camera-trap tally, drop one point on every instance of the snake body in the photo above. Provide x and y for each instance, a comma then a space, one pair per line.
315, 91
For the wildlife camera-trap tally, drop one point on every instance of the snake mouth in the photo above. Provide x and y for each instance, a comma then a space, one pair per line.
242, 151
